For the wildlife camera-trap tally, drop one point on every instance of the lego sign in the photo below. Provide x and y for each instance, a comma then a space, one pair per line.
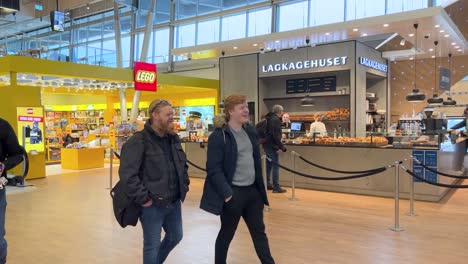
145, 77
31, 127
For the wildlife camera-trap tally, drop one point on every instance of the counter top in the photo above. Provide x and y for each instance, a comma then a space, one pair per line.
364, 146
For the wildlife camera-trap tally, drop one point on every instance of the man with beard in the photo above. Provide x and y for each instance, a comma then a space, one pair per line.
154, 167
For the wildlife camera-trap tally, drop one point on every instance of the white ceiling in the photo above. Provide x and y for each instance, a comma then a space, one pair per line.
431, 21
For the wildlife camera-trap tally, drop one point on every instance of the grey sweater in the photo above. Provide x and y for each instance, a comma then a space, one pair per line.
245, 168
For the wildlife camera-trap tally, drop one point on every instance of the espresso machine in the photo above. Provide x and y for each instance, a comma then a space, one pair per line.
432, 126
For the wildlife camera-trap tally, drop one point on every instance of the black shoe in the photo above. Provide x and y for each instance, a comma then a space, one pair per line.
279, 190
269, 187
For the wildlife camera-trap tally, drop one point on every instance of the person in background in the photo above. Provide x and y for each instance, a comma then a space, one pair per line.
11, 154
462, 123
286, 121
273, 147
234, 185
318, 127
154, 167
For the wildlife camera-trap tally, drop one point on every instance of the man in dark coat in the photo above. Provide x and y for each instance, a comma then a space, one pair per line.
234, 185
11, 154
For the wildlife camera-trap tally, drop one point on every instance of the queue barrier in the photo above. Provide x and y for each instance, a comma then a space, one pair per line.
397, 165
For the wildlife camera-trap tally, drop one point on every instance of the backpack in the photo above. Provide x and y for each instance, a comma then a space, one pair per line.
126, 211
262, 131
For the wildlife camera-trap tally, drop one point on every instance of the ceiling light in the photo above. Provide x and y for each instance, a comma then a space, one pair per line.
277, 41
411, 58
402, 42
87, 6
450, 101
454, 43
457, 47
386, 25
411, 35
255, 44
435, 100
459, 50
327, 34
446, 35
235, 47
442, 31
431, 50
437, 26
355, 29
416, 96
433, 56
364, 34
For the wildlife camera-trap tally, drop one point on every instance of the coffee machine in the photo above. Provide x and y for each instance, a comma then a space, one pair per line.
432, 125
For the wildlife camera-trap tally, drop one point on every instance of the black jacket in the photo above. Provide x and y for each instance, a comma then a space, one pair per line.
221, 166
11, 153
144, 168
274, 132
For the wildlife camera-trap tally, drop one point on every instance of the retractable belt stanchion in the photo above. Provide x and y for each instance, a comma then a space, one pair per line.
397, 227
265, 160
411, 212
293, 183
111, 174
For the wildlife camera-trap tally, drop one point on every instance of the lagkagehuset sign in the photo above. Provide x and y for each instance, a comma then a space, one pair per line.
307, 64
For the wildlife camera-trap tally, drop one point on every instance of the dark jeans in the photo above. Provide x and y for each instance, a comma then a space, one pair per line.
272, 168
153, 219
3, 243
247, 203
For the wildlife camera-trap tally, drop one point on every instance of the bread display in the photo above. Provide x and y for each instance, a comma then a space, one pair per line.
332, 115
347, 141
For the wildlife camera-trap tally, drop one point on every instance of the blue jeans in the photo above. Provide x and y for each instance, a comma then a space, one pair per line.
3, 243
272, 168
153, 219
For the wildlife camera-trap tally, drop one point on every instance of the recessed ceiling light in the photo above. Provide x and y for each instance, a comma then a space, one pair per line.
386, 25
277, 41
442, 31
364, 34
437, 26
459, 50
234, 47
411, 58
433, 56
411, 35
402, 42
431, 50
453, 43
355, 29
327, 34
255, 44
457, 47
446, 35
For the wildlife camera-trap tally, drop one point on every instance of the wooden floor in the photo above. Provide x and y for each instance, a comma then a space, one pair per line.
68, 219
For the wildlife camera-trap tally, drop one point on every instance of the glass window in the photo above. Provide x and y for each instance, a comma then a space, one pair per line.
208, 31
186, 9
227, 4
233, 27
357, 9
259, 22
208, 6
292, 16
326, 12
161, 53
396, 6
185, 35
163, 12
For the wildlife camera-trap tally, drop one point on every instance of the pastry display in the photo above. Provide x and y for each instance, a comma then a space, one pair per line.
347, 141
333, 115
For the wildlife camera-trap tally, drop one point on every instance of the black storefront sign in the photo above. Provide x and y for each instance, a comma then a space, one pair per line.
311, 85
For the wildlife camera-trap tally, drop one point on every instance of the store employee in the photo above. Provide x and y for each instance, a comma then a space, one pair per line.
318, 127
462, 123
286, 121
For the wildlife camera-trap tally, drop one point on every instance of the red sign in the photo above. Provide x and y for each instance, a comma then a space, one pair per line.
30, 118
145, 76
30, 111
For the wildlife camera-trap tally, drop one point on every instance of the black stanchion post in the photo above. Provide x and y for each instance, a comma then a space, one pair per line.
111, 164
264, 159
397, 227
411, 212
293, 182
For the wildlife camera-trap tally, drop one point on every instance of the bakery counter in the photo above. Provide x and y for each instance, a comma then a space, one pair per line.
343, 157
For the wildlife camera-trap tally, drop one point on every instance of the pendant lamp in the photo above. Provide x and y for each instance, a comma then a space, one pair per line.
307, 101
449, 100
415, 96
435, 100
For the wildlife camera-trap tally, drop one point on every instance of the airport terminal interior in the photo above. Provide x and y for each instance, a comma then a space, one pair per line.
374, 124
